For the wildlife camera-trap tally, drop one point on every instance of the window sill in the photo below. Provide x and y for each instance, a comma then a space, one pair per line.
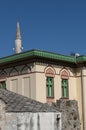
65, 98
50, 99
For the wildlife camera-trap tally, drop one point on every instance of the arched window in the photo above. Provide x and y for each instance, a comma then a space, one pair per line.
50, 86
64, 88
64, 83
50, 74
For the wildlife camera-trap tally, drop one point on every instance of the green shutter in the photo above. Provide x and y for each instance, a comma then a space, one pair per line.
4, 85
65, 88
50, 86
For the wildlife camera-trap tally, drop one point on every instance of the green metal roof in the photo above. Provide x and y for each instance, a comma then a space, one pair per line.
81, 59
37, 53
42, 54
54, 56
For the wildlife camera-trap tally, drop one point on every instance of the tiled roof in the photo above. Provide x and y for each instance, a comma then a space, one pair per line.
18, 103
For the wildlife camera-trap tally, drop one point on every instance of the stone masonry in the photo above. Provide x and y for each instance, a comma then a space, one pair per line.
14, 103
21, 113
70, 115
2, 114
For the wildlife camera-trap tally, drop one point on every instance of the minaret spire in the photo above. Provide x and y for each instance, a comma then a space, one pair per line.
18, 44
18, 36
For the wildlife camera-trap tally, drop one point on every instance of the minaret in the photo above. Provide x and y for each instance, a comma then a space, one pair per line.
18, 45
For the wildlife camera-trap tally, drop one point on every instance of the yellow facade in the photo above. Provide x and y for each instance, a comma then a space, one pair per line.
28, 77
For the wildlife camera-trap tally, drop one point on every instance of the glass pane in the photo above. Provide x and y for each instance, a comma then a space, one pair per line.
49, 84
65, 88
3, 84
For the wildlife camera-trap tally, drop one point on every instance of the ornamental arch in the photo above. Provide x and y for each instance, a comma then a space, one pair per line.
64, 73
50, 74
50, 71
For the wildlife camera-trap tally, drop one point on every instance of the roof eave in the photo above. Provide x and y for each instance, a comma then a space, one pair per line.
36, 54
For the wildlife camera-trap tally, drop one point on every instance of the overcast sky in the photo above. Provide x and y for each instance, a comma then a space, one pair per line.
52, 25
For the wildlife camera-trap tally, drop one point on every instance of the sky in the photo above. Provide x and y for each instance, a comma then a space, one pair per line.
57, 26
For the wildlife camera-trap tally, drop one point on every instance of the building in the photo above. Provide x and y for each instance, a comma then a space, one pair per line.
45, 76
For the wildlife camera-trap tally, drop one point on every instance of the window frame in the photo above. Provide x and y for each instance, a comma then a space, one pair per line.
65, 91
3, 84
50, 87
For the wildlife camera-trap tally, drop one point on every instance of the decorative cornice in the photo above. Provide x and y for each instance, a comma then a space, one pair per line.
36, 55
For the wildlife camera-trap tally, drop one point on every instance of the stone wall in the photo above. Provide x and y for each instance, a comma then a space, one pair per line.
70, 114
28, 120
2, 114
67, 120
32, 121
